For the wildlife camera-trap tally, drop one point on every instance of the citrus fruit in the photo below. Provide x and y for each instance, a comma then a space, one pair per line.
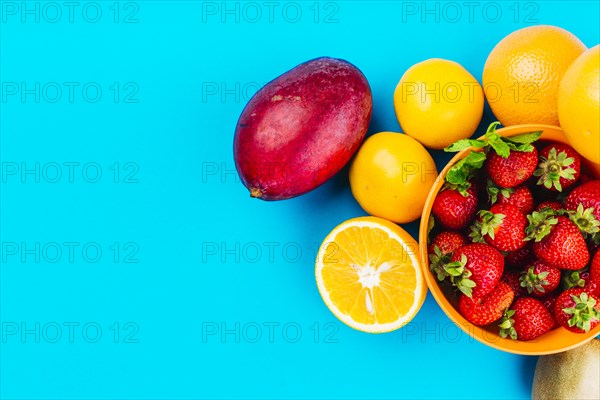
438, 102
579, 104
391, 175
523, 72
368, 273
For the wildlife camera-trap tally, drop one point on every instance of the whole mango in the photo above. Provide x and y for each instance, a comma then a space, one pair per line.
301, 128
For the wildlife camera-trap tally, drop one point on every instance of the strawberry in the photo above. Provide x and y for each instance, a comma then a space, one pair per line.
587, 195
510, 160
512, 279
527, 319
584, 204
519, 258
503, 227
476, 269
487, 309
577, 310
557, 241
553, 205
595, 268
448, 242
441, 249
549, 301
521, 197
559, 167
511, 171
540, 279
586, 222
455, 210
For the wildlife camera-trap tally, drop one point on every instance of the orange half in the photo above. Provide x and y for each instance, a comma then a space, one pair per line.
369, 275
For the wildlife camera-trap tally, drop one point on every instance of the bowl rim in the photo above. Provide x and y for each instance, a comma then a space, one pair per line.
549, 132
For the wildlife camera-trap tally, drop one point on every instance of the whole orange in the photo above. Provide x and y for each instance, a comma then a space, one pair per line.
579, 104
523, 72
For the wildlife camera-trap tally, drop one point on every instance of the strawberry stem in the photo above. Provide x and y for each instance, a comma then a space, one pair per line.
553, 168
540, 224
506, 325
583, 311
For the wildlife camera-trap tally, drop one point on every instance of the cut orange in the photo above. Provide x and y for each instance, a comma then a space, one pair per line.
368, 273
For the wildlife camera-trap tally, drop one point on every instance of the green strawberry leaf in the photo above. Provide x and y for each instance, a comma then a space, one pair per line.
522, 142
553, 168
540, 224
525, 148
494, 191
462, 144
499, 146
525, 138
585, 220
489, 222
475, 232
583, 312
460, 172
506, 325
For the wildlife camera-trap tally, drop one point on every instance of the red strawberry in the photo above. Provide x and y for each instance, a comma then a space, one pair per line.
577, 310
595, 268
584, 204
513, 170
519, 258
586, 222
487, 309
587, 195
540, 279
549, 301
441, 249
476, 269
558, 241
553, 205
503, 227
512, 279
521, 198
526, 320
447, 242
559, 167
453, 210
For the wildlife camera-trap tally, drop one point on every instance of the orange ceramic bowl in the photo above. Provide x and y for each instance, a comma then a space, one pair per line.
555, 341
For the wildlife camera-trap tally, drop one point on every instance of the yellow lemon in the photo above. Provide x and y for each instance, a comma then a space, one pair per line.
579, 104
438, 102
368, 273
391, 175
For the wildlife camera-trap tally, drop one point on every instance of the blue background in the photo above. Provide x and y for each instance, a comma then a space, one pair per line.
194, 248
